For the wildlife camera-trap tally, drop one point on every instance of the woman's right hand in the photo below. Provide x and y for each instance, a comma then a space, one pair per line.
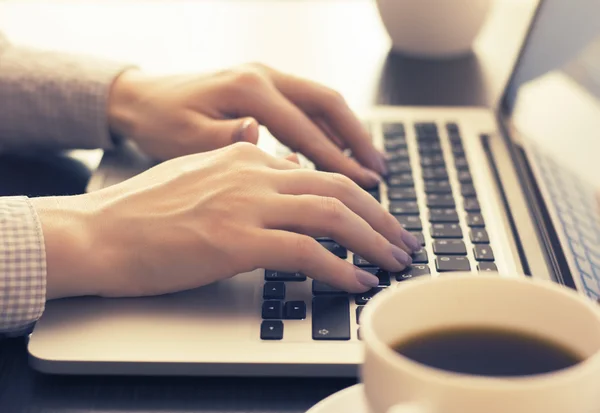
197, 219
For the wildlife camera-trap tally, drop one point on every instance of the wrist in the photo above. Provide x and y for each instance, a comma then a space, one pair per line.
122, 98
69, 246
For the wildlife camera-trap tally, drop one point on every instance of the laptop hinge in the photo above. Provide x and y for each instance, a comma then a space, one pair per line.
556, 262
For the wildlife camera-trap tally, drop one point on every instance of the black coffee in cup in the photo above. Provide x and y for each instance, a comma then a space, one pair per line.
486, 351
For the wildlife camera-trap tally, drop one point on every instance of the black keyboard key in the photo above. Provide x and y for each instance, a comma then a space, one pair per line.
440, 201
426, 129
484, 266
446, 231
320, 288
410, 222
395, 144
449, 247
458, 150
464, 177
471, 205
375, 194
272, 309
393, 129
468, 190
295, 310
420, 257
479, 236
460, 162
483, 253
271, 330
331, 318
430, 148
360, 261
359, 310
415, 270
452, 128
435, 174
398, 155
438, 187
364, 298
400, 180
402, 194
335, 248
432, 160
420, 237
446, 264
271, 275
454, 138
384, 277
274, 290
439, 215
397, 167
404, 208
475, 219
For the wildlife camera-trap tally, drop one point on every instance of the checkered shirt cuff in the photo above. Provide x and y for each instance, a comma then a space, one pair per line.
22, 265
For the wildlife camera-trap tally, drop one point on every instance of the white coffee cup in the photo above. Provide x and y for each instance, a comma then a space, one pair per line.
433, 28
394, 383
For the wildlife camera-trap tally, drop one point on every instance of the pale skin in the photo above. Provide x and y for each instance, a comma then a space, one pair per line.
219, 206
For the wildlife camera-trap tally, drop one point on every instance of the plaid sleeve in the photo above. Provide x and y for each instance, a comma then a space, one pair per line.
22, 265
54, 99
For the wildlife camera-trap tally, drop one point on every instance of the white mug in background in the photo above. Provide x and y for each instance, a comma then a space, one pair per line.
394, 383
433, 28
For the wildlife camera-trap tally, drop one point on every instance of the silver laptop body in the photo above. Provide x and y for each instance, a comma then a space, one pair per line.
521, 183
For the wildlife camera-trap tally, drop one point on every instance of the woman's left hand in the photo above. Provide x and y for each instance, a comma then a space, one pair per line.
178, 115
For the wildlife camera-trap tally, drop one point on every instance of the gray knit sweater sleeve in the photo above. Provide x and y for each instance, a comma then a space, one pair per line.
53, 100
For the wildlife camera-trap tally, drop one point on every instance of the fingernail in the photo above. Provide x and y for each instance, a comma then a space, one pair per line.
367, 279
410, 240
241, 132
401, 256
372, 176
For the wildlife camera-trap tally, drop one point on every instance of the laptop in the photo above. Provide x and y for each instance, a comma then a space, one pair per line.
509, 189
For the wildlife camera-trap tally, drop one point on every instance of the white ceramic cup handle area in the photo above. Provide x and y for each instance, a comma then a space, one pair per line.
406, 408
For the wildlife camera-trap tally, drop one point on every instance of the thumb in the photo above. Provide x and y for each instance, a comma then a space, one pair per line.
226, 132
246, 131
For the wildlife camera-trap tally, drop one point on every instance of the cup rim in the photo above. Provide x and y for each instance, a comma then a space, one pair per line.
440, 376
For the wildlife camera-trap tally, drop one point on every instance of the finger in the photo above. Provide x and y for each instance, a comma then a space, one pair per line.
319, 216
293, 158
290, 252
305, 181
297, 131
223, 133
322, 123
315, 98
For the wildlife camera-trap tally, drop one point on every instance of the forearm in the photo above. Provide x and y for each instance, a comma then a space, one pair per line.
50, 99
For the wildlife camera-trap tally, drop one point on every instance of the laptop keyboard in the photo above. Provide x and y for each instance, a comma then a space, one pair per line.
576, 206
430, 191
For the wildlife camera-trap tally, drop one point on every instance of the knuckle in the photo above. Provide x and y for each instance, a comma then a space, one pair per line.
334, 97
248, 79
343, 182
259, 66
245, 149
333, 210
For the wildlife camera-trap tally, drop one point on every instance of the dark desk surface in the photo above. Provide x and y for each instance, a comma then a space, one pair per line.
339, 43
